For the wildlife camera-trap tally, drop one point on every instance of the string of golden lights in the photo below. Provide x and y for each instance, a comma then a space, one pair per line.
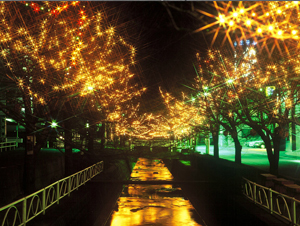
238, 81
271, 24
183, 115
68, 47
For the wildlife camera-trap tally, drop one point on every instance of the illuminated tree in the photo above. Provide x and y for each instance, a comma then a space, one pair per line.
182, 116
269, 110
243, 88
67, 61
223, 78
273, 27
271, 24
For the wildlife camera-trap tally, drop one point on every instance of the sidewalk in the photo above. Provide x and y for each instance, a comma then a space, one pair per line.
230, 150
292, 153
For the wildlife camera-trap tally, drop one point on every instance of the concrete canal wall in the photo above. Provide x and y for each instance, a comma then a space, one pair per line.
216, 191
93, 202
11, 186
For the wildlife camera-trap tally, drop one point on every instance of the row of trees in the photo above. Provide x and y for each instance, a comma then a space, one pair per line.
63, 66
235, 88
238, 86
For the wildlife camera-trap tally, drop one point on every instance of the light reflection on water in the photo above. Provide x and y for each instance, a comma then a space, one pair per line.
142, 204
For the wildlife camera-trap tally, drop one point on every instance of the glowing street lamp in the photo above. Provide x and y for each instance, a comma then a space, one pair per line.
53, 124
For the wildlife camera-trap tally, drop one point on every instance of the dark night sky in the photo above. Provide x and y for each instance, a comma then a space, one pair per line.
165, 55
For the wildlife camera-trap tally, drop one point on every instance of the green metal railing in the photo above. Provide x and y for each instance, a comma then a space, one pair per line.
23, 210
286, 207
7, 146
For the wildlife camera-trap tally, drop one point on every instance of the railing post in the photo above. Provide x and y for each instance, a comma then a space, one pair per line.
69, 186
271, 200
293, 211
24, 212
77, 181
57, 192
84, 176
254, 193
44, 201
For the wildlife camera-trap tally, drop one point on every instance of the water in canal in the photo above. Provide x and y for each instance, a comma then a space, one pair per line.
144, 204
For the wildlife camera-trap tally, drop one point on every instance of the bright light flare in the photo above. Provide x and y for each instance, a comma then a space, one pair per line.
249, 21
53, 124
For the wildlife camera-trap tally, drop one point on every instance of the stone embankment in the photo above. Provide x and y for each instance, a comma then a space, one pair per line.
217, 193
93, 202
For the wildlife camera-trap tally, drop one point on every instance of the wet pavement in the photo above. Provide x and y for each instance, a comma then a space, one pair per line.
142, 204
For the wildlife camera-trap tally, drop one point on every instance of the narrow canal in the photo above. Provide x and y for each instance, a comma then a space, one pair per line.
149, 204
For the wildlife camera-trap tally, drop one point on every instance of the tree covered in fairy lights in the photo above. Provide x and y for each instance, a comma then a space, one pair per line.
267, 101
66, 60
272, 110
271, 24
182, 115
177, 121
222, 79
242, 88
73, 55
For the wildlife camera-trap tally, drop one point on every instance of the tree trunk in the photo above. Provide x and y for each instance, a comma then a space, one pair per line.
91, 133
215, 137
294, 136
238, 150
32, 148
293, 129
102, 136
273, 166
29, 165
215, 129
68, 151
274, 156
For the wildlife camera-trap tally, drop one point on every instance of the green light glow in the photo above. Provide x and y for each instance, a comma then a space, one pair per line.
187, 163
10, 120
53, 124
229, 81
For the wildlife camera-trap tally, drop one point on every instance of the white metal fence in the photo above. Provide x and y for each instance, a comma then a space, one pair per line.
286, 207
5, 146
22, 211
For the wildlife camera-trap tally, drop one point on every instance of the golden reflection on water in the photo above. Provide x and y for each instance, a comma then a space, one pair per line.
152, 204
